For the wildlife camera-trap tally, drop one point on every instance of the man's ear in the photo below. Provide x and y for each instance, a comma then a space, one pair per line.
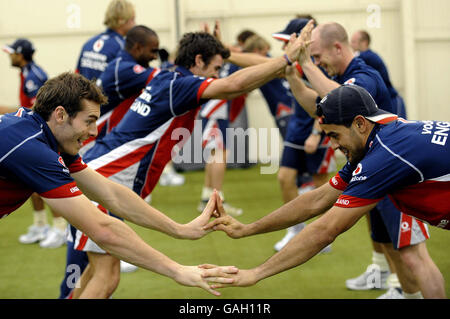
199, 61
60, 114
361, 123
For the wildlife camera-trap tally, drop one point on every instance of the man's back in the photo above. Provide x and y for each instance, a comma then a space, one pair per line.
359, 73
32, 78
144, 135
97, 52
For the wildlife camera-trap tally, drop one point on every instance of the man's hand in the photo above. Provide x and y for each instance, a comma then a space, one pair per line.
226, 223
217, 33
205, 276
305, 39
195, 229
242, 278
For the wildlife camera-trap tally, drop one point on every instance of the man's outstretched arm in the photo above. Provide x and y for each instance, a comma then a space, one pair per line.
118, 239
127, 204
308, 243
298, 210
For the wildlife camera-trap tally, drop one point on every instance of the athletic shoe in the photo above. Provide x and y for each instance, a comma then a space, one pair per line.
34, 235
230, 210
392, 293
171, 179
126, 267
372, 278
305, 187
283, 242
55, 238
291, 233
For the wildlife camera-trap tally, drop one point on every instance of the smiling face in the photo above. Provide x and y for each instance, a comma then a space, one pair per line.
71, 132
324, 56
347, 140
148, 52
210, 70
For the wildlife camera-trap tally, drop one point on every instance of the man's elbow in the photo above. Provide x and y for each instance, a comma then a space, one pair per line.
104, 236
326, 234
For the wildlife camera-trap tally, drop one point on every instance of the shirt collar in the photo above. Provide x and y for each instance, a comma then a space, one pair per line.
183, 71
51, 140
372, 135
126, 56
112, 32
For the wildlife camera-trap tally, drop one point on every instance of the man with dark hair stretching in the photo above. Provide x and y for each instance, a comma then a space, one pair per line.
136, 151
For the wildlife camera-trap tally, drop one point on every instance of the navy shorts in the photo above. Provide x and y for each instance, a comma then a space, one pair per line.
321, 162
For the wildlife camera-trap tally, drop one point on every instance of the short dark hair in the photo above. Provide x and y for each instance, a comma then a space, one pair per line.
138, 34
244, 35
203, 43
67, 90
365, 36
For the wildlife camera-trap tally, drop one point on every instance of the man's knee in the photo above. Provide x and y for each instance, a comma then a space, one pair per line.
286, 177
413, 256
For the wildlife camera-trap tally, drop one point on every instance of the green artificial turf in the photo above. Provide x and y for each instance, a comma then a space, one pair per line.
28, 271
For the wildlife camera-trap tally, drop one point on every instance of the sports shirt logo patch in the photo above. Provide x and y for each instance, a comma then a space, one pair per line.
98, 45
138, 69
350, 81
61, 161
357, 170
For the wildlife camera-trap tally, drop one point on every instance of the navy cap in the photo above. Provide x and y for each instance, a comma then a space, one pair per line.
294, 26
23, 46
344, 103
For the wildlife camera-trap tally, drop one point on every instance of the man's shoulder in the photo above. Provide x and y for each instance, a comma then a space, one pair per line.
17, 131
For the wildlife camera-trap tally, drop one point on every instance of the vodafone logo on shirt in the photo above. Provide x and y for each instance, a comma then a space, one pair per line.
61, 161
357, 170
350, 81
138, 69
98, 45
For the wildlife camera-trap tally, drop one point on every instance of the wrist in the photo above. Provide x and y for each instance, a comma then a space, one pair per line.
316, 132
288, 60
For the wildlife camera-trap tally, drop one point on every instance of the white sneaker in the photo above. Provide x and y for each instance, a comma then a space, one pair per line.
126, 267
35, 234
230, 210
372, 278
291, 233
171, 179
307, 187
283, 242
55, 238
392, 293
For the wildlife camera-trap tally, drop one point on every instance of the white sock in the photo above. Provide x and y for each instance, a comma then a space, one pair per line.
392, 281
40, 218
416, 295
380, 260
206, 193
60, 223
